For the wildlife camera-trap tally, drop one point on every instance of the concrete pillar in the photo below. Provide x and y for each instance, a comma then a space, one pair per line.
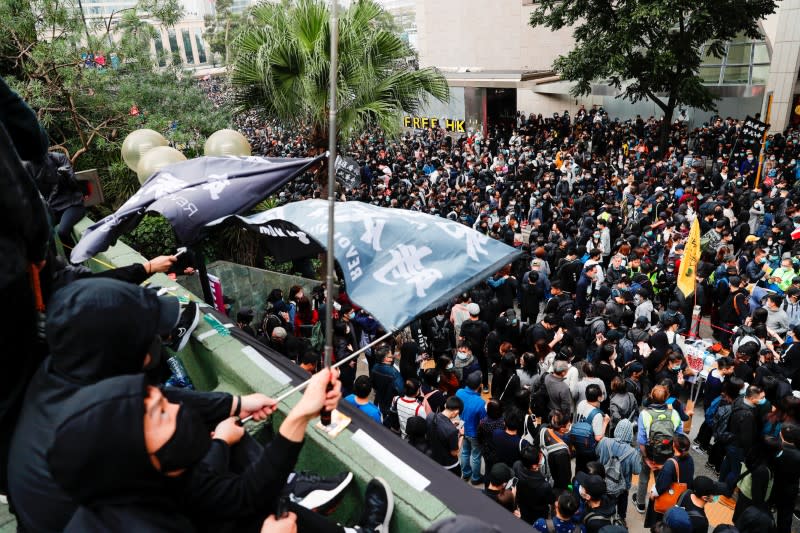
785, 64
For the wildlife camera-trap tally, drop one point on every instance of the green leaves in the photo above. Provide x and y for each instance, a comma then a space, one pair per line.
648, 48
282, 68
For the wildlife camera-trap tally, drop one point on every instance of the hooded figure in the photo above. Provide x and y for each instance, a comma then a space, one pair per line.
100, 458
96, 328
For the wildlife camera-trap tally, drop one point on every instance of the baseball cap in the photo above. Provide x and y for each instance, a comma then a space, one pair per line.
678, 520
592, 484
474, 309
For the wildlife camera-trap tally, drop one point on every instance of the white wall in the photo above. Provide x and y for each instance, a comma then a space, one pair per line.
492, 35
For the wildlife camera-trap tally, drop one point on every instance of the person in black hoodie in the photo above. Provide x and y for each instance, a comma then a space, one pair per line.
128, 455
23, 246
534, 493
96, 329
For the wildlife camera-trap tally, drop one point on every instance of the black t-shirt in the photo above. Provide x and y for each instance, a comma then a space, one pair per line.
443, 438
697, 515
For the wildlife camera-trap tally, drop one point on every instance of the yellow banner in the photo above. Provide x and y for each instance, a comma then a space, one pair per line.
687, 275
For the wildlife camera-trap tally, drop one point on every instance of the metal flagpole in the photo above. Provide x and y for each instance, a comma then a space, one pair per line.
332, 137
347, 359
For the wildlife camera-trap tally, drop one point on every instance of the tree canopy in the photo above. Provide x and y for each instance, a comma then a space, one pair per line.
648, 48
281, 68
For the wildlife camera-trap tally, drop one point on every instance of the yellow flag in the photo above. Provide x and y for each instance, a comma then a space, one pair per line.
687, 275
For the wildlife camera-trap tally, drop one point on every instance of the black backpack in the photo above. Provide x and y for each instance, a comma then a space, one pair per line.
540, 399
440, 339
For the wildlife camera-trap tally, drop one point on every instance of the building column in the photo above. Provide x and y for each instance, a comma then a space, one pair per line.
784, 65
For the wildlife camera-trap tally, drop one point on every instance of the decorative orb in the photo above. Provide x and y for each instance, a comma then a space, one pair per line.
155, 159
227, 142
137, 143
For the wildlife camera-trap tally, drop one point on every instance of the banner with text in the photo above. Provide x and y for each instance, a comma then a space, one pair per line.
421, 123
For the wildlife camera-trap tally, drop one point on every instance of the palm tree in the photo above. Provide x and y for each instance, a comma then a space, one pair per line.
282, 65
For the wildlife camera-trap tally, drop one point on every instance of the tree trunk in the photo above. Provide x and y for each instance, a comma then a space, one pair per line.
666, 125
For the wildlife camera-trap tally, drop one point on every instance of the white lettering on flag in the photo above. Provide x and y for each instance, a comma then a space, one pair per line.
406, 265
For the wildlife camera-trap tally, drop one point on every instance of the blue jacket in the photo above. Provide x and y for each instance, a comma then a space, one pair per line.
582, 293
474, 410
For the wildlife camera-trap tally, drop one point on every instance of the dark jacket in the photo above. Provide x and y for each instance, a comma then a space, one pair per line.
90, 337
787, 474
583, 293
534, 493
743, 424
26, 227
387, 383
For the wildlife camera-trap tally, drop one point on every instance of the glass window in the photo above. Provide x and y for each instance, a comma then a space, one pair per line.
709, 75
760, 53
187, 46
159, 50
760, 74
201, 49
173, 43
739, 75
711, 59
739, 54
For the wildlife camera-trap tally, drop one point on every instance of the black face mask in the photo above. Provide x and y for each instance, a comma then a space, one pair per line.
188, 444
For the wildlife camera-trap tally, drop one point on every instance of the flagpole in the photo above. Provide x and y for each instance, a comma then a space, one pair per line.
332, 137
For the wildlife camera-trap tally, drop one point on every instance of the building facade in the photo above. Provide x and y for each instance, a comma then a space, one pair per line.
497, 64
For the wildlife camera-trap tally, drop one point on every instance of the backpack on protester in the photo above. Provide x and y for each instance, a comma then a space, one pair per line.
546, 449
317, 336
440, 340
615, 482
528, 429
270, 322
392, 418
582, 434
540, 398
551, 527
660, 434
596, 516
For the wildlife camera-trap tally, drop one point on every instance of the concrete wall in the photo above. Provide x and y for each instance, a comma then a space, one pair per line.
785, 63
491, 35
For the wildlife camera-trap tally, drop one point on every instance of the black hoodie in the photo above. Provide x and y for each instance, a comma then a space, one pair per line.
534, 494
98, 456
95, 329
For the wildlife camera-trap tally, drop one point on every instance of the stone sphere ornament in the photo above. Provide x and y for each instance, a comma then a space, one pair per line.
139, 142
227, 143
157, 158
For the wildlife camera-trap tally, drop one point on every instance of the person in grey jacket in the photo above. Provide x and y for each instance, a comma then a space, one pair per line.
557, 389
630, 461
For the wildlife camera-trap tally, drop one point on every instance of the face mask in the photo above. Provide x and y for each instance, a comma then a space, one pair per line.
187, 445
450, 366
352, 314
750, 158
762, 401
462, 355
676, 368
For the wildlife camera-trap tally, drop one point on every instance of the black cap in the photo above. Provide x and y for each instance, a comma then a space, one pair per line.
501, 473
592, 484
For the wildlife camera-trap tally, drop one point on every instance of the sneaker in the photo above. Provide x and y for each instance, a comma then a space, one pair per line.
640, 508
378, 507
315, 492
187, 323
796, 513
698, 448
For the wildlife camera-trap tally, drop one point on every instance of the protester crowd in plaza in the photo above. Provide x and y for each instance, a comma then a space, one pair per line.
547, 386
553, 382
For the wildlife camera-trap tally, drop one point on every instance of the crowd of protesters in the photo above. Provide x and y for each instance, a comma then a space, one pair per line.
552, 383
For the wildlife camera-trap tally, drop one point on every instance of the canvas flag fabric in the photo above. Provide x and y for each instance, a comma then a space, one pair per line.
687, 274
348, 172
192, 193
753, 133
397, 264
